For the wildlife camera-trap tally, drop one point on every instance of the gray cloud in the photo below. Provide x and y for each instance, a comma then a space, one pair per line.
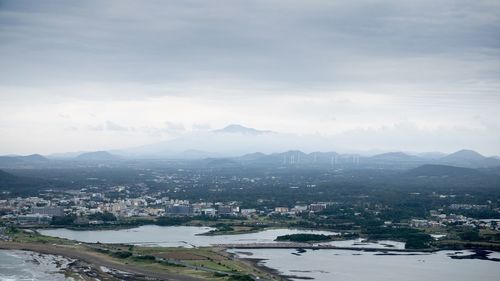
111, 126
334, 44
174, 129
201, 127
108, 126
306, 65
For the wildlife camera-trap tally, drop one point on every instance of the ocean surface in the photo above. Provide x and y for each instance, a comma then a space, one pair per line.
30, 266
188, 236
343, 265
327, 265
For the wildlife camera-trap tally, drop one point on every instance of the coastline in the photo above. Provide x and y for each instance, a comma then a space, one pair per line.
276, 274
96, 262
261, 265
39, 266
257, 263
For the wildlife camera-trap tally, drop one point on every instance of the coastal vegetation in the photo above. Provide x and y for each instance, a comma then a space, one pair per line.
304, 237
204, 263
413, 238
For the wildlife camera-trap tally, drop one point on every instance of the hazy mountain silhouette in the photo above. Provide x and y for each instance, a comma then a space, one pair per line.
97, 156
300, 159
430, 170
29, 160
230, 141
249, 146
20, 184
4, 176
464, 155
195, 154
390, 160
431, 155
236, 140
469, 158
35, 157
10, 160
394, 156
239, 129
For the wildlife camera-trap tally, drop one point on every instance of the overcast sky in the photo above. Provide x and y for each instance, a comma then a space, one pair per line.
385, 75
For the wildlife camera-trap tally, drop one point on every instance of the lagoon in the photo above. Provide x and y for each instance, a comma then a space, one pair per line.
345, 265
172, 236
341, 265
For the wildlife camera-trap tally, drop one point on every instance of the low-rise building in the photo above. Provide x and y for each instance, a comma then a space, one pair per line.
49, 211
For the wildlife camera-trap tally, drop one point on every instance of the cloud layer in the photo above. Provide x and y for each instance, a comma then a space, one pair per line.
97, 75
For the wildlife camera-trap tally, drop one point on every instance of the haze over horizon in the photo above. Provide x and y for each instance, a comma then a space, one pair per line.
362, 75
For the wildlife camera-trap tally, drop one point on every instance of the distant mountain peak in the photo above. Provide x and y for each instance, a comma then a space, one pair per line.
465, 154
469, 158
97, 155
35, 157
239, 129
393, 154
443, 170
468, 151
296, 151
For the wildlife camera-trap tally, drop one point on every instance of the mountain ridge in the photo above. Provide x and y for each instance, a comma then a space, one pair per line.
320, 159
236, 128
100, 155
469, 158
438, 170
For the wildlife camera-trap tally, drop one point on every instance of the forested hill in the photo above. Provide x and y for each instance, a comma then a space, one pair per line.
23, 185
444, 171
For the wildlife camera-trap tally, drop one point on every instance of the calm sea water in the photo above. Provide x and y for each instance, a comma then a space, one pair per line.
170, 236
29, 266
186, 236
341, 265
327, 265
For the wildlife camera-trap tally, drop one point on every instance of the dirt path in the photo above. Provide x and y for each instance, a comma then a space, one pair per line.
95, 259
